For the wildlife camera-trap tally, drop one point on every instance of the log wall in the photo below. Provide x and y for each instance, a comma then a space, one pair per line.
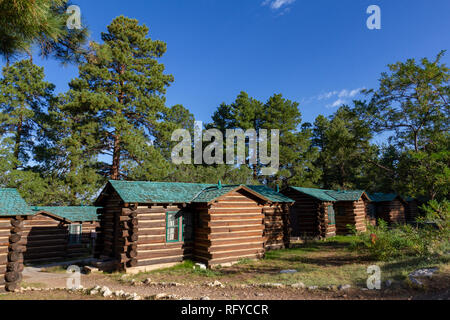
229, 230
392, 212
353, 213
46, 239
5, 227
152, 245
277, 226
309, 216
108, 228
11, 257
304, 215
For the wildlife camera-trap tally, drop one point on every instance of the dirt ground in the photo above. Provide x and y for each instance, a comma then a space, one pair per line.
321, 266
436, 290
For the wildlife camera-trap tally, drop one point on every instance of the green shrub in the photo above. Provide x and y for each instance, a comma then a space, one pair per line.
429, 239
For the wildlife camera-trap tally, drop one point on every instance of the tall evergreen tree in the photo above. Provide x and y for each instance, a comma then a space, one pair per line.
344, 144
296, 156
24, 97
122, 87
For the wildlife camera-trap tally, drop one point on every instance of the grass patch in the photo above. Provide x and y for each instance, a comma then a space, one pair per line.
55, 269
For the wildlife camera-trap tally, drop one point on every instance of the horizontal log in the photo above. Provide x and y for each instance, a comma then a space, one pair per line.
159, 254
143, 263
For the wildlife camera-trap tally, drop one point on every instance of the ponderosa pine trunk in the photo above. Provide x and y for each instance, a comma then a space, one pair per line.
18, 139
116, 158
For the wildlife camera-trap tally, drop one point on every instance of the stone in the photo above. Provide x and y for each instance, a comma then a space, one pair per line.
332, 288
106, 292
215, 284
147, 281
299, 285
89, 269
343, 287
93, 292
313, 287
288, 271
160, 296
272, 285
205, 298
415, 282
201, 266
429, 272
388, 283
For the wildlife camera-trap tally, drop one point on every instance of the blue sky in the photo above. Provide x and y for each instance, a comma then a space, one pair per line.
316, 52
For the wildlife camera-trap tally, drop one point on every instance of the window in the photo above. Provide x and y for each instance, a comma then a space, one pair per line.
331, 216
188, 226
75, 233
173, 226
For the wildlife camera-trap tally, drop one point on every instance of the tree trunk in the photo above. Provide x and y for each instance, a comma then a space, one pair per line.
116, 158
18, 139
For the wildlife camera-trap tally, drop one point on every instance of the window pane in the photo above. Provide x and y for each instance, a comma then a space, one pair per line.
172, 227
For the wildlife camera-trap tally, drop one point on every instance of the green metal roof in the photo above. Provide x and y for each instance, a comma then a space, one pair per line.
270, 194
346, 195
177, 192
382, 197
157, 192
12, 204
331, 195
319, 194
213, 192
74, 214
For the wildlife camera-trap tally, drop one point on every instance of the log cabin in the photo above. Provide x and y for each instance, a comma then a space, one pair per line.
149, 225
13, 210
325, 213
312, 214
351, 209
389, 207
59, 233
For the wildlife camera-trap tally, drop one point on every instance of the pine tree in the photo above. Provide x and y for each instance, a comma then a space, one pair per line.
296, 156
344, 144
122, 88
24, 97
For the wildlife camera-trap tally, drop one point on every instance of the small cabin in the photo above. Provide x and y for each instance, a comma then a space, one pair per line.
13, 210
312, 214
59, 233
351, 208
389, 207
326, 213
148, 225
